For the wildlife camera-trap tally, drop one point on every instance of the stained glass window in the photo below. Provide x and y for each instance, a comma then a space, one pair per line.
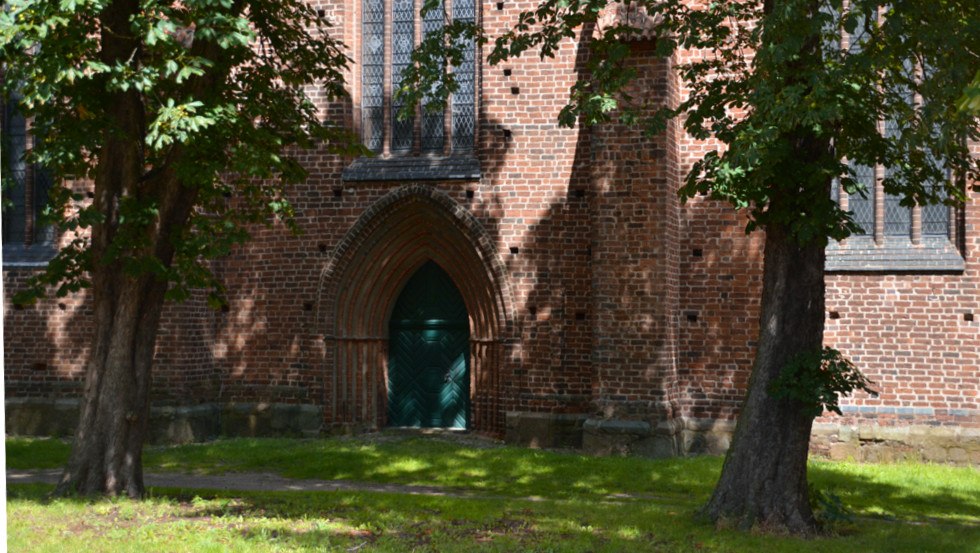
14, 174
863, 208
402, 43
463, 105
373, 74
935, 218
386, 53
896, 218
25, 185
433, 121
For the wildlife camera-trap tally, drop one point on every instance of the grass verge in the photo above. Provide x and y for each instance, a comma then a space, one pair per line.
529, 501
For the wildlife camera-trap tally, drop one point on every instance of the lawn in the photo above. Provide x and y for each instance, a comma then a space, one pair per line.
515, 500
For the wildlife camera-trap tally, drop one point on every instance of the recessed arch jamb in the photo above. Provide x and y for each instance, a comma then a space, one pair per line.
367, 271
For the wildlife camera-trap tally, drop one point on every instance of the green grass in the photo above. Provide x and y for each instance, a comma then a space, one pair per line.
507, 471
36, 453
527, 501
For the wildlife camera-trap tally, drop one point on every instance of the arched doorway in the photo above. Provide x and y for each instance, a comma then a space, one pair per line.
428, 363
406, 229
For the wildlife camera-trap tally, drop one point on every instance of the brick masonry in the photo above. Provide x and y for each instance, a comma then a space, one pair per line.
605, 313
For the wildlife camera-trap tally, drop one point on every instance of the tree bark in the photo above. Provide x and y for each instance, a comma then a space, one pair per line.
763, 482
106, 457
106, 454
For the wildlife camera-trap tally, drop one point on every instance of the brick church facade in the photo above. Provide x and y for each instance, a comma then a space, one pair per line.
598, 310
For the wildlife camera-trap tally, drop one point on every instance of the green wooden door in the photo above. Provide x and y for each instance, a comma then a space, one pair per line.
428, 367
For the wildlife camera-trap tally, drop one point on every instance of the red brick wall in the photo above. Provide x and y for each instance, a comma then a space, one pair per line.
721, 289
910, 333
621, 301
634, 261
43, 343
45, 346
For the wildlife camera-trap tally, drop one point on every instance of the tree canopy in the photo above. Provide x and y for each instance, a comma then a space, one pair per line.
793, 95
221, 103
834, 69
170, 128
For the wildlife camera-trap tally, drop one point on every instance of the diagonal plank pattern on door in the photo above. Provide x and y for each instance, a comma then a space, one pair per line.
428, 370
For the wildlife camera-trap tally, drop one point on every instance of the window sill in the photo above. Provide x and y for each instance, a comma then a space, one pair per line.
19, 256
860, 254
424, 168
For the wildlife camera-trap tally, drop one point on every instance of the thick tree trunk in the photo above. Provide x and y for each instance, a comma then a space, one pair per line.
106, 455
763, 482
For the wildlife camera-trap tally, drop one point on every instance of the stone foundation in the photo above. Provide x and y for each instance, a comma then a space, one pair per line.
544, 430
40, 417
664, 439
875, 444
594, 436
173, 424
625, 437
689, 436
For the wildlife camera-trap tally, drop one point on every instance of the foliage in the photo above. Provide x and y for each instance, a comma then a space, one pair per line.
221, 90
428, 80
798, 89
970, 101
763, 82
5, 202
817, 379
829, 508
6, 181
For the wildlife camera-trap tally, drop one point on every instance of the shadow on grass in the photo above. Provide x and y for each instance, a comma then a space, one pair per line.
413, 523
909, 492
394, 522
903, 491
37, 453
505, 471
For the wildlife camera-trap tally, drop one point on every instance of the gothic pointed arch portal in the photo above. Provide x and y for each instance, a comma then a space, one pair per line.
409, 228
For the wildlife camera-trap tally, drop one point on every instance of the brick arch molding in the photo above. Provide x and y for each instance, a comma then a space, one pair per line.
363, 278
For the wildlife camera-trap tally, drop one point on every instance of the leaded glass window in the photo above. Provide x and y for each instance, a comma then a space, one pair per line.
372, 74
876, 206
463, 112
935, 217
390, 33
433, 121
898, 218
402, 43
863, 207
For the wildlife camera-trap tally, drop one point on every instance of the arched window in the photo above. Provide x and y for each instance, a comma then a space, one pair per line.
390, 30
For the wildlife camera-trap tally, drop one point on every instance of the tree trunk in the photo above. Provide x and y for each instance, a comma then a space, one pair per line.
107, 452
106, 455
763, 482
